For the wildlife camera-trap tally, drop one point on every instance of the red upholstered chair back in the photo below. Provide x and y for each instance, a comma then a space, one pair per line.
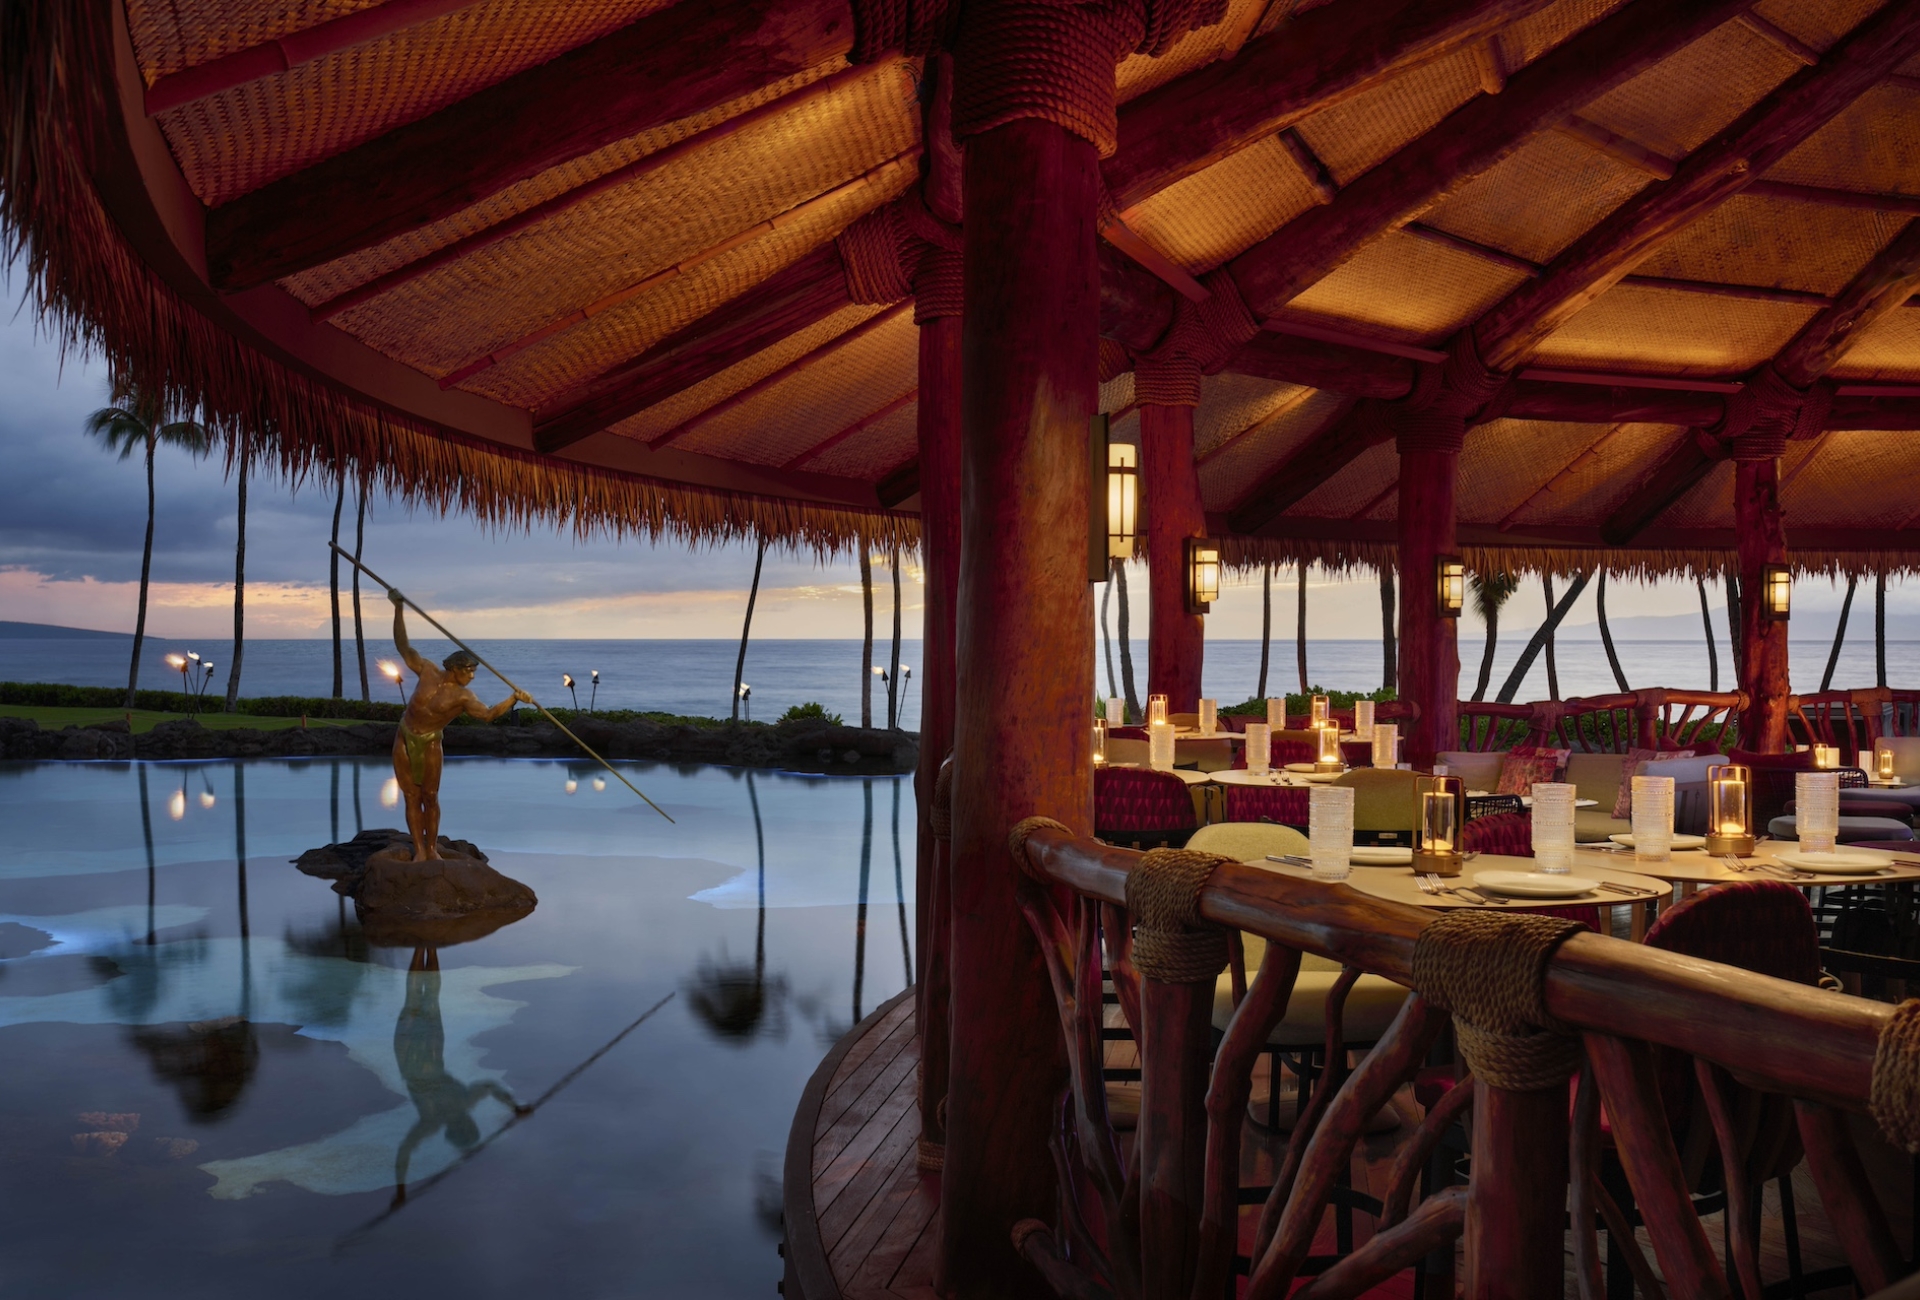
1284, 804
1280, 753
1510, 834
1140, 799
1127, 733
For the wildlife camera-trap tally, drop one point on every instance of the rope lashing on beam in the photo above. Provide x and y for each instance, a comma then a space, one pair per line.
1202, 337
1767, 412
1115, 360
1017, 841
1171, 943
870, 255
913, 27
1895, 1097
1490, 970
900, 251
936, 285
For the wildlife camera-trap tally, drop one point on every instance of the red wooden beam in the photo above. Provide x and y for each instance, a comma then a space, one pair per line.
1677, 473
670, 64
1472, 139
1312, 61
867, 421
269, 58
1324, 454
1337, 367
1884, 284
1509, 332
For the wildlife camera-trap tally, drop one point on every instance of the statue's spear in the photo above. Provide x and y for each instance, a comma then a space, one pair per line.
348, 557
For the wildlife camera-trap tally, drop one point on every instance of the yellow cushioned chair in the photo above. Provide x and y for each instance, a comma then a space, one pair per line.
1383, 801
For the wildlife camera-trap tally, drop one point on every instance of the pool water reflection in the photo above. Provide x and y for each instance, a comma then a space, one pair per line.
213, 1084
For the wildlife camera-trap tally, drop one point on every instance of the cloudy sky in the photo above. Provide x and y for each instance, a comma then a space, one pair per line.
71, 518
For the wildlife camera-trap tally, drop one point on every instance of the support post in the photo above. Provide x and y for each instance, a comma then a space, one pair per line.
1177, 1026
1025, 657
939, 429
1178, 638
1761, 540
1429, 644
1517, 1196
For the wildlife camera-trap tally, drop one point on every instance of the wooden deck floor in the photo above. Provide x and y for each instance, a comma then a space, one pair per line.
861, 1219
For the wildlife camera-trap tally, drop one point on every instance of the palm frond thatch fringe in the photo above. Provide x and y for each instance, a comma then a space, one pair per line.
95, 296
1249, 554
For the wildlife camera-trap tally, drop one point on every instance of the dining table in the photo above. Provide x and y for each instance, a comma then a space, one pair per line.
1690, 869
1275, 778
1399, 884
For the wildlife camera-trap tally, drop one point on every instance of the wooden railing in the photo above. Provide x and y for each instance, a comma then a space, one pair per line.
1853, 719
1161, 1219
1652, 718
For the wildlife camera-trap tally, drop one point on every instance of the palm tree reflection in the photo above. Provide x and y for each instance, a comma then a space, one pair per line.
860, 915
900, 889
732, 998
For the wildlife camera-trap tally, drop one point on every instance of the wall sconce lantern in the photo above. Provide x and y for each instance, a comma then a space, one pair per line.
1452, 575
1203, 574
1776, 593
1113, 514
1729, 810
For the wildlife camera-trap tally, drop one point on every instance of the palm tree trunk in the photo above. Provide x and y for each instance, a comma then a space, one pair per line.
1126, 645
1266, 626
239, 594
1553, 665
1106, 634
1606, 635
1733, 621
333, 583
146, 569
893, 664
1518, 673
1839, 633
1880, 628
1713, 651
1300, 624
1486, 656
746, 627
866, 643
359, 628
1389, 651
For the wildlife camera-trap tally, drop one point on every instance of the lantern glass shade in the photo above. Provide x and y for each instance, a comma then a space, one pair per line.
1319, 711
1826, 757
1099, 742
1776, 592
1156, 709
1729, 809
1123, 498
1437, 835
1883, 763
1203, 574
1327, 754
1452, 593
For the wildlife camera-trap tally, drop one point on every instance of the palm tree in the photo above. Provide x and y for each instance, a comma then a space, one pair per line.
333, 578
1389, 651
866, 642
1490, 592
1266, 626
1126, 642
1706, 620
1300, 625
746, 627
1606, 633
239, 590
137, 419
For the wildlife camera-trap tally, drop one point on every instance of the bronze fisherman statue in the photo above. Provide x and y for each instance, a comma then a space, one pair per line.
439, 698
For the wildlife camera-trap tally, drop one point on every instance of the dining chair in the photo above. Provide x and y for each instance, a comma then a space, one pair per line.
1137, 807
1384, 805
1283, 804
1128, 752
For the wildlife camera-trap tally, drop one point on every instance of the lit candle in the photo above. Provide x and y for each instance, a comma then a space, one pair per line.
1826, 756
1883, 762
1436, 821
1099, 742
1156, 709
1327, 756
1318, 708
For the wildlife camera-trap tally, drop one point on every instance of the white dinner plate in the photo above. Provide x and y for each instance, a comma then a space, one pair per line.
1317, 778
1840, 862
1534, 884
1299, 767
1679, 841
1381, 855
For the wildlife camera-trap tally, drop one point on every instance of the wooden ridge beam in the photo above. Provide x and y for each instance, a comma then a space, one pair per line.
283, 53
1515, 327
1315, 363
1886, 282
799, 365
900, 483
1310, 62
1588, 454
804, 294
1324, 454
860, 425
1468, 142
1233, 439
1678, 473
1867, 411
668, 65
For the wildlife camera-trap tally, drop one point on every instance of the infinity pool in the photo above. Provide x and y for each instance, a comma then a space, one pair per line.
211, 1084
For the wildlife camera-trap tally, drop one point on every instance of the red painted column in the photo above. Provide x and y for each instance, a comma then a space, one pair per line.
1429, 644
1177, 644
937, 308
1761, 538
1029, 353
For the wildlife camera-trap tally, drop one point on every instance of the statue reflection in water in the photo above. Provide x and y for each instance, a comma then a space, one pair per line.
736, 1000
446, 1105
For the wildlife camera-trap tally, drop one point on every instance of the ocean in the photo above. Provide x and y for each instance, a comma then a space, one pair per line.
696, 677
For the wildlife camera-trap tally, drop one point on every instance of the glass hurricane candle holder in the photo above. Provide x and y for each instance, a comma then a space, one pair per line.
1160, 746
1156, 709
1816, 810
1276, 715
1652, 818
1363, 719
1318, 711
1883, 764
1209, 716
1116, 712
1099, 742
1326, 756
1553, 805
1729, 810
1826, 757
1259, 748
1330, 831
1442, 807
1386, 744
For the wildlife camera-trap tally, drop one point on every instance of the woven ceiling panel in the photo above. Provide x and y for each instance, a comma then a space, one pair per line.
875, 451
1230, 404
689, 402
1137, 73
1585, 488
1874, 146
1674, 107
1708, 505
325, 282
1820, 23
1776, 243
1117, 392
1854, 479
1549, 193
1355, 488
800, 412
1237, 464
1505, 465
539, 374
1218, 213
618, 238
236, 141
1640, 329
1353, 135
1407, 289
170, 36
1889, 349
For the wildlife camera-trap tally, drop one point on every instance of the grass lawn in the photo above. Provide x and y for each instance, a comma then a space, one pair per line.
54, 718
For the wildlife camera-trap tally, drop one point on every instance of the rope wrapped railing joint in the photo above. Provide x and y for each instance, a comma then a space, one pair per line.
1490, 971
1895, 1095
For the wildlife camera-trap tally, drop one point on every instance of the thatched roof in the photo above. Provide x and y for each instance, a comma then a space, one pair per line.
532, 346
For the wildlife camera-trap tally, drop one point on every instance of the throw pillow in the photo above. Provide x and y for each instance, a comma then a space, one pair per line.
1529, 763
1636, 760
